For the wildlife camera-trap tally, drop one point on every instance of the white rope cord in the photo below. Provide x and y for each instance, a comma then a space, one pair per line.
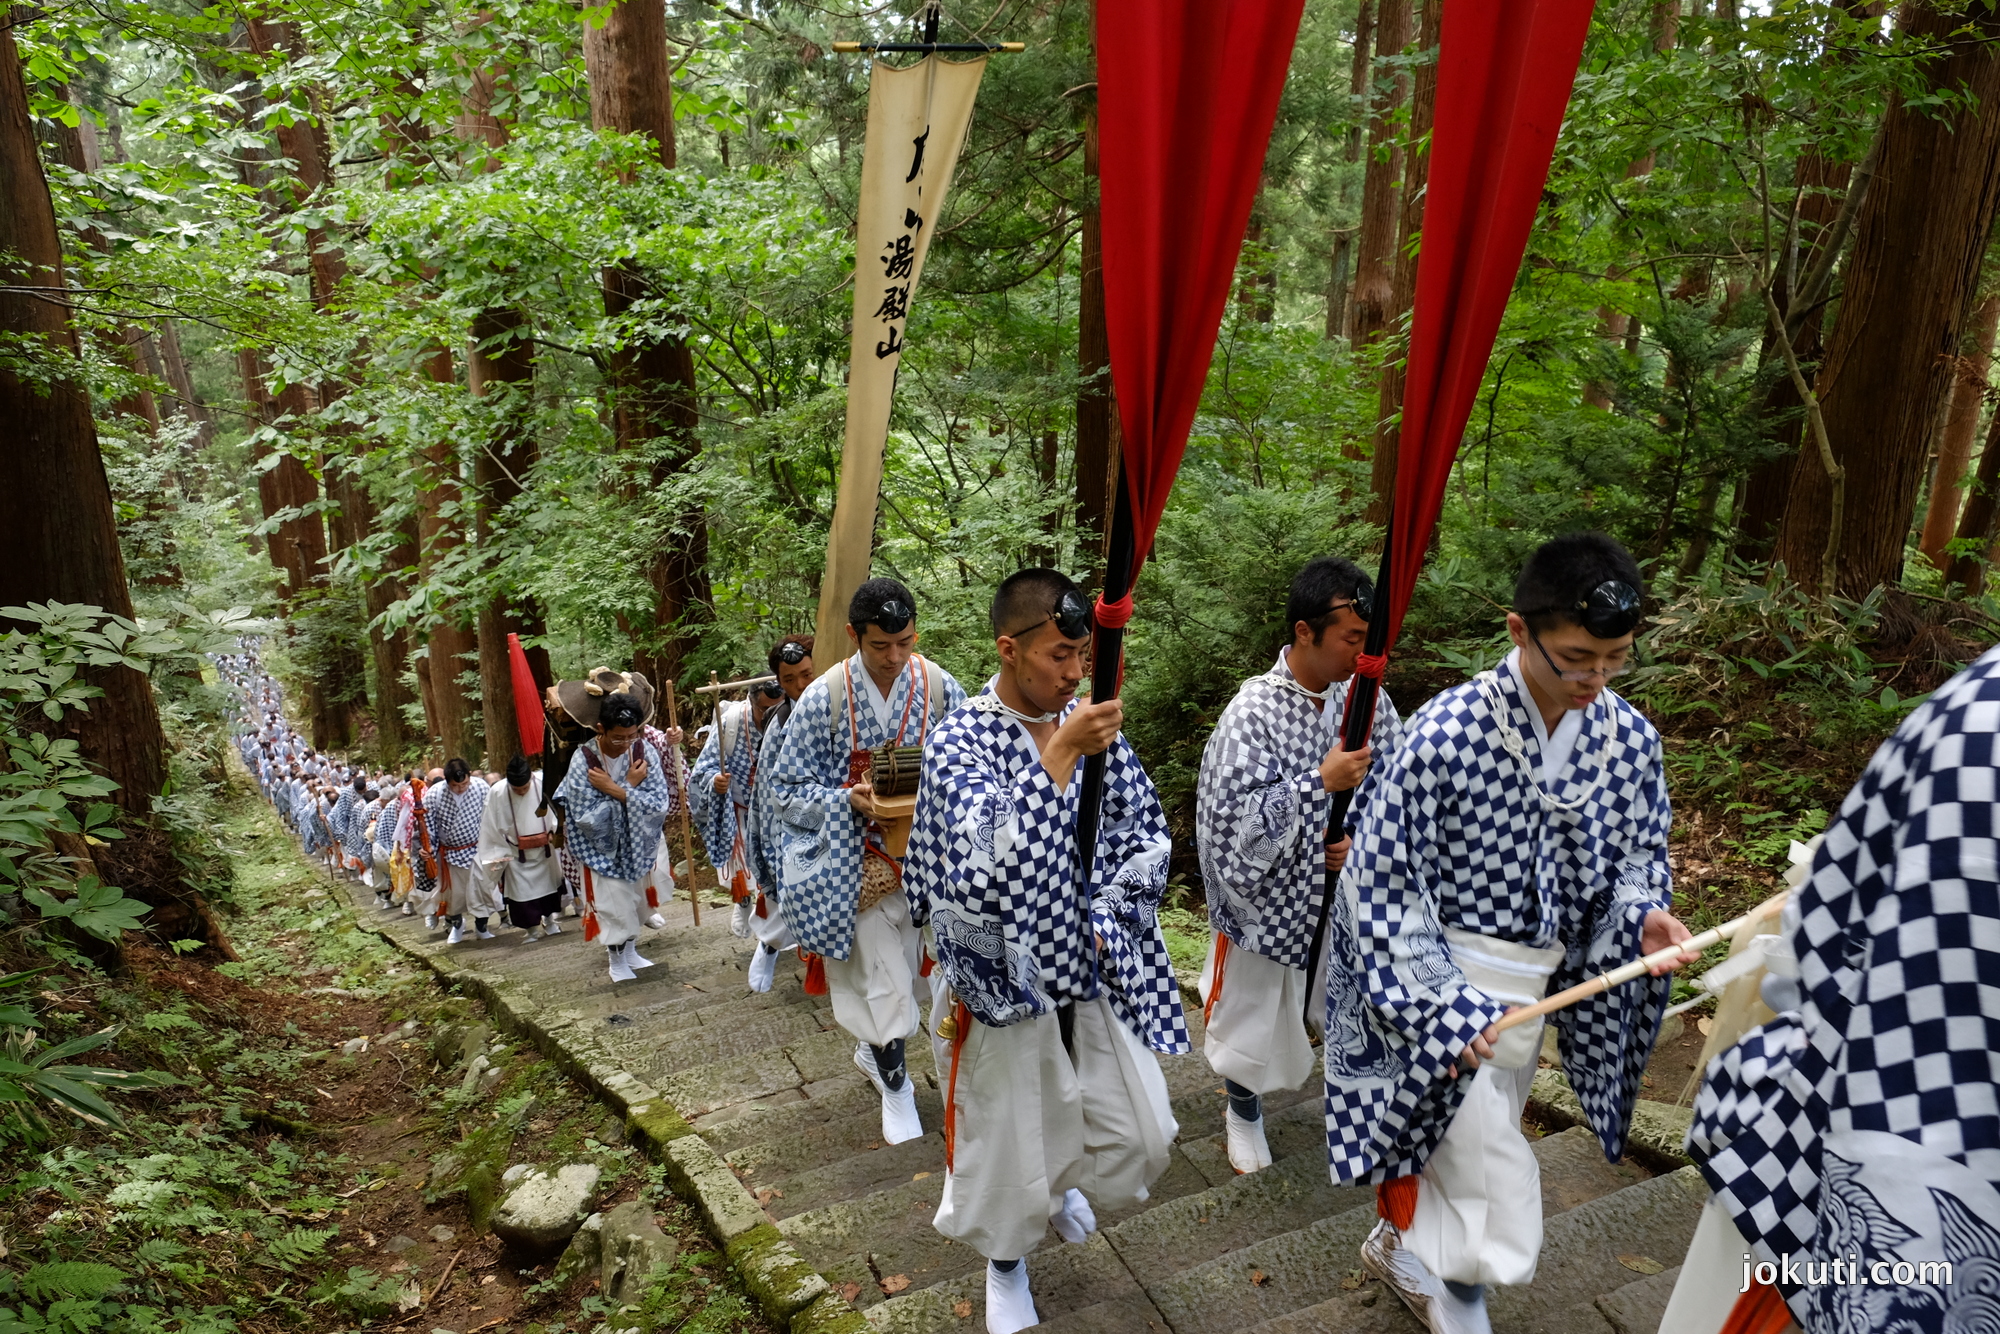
1510, 738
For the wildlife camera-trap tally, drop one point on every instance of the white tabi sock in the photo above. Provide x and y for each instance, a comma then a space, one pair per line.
1009, 1304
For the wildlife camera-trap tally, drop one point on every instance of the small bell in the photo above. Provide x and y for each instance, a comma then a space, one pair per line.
948, 1028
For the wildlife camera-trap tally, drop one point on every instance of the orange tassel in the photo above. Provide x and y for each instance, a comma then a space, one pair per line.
815, 974
1396, 1200
739, 888
652, 896
928, 964
1215, 990
1761, 1310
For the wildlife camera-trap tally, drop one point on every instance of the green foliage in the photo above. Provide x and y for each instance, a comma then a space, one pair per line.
30, 1075
365, 1294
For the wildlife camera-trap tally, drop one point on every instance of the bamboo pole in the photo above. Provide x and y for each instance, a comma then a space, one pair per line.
1635, 969
716, 687
687, 818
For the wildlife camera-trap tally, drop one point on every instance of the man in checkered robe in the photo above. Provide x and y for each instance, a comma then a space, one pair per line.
350, 826
1061, 994
1515, 844
720, 790
453, 810
885, 694
790, 660
1262, 810
1860, 1128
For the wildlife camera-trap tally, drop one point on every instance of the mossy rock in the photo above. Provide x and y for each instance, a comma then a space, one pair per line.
782, 1282
472, 1168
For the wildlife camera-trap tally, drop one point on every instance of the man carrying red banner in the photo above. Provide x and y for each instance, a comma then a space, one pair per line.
1262, 811
1515, 844
1060, 992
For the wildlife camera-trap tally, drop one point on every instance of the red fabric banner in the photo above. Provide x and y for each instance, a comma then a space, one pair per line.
1187, 91
1504, 73
528, 713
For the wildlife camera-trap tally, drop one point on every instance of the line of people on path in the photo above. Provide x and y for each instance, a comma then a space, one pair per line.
1506, 841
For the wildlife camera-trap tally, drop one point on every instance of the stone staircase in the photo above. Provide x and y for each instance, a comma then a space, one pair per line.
769, 1083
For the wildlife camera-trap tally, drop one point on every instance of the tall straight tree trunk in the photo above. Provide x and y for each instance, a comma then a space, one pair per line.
1375, 272
1340, 278
500, 364
655, 408
1961, 425
1919, 238
58, 533
1096, 409
187, 402
1781, 414
1976, 522
452, 643
1416, 173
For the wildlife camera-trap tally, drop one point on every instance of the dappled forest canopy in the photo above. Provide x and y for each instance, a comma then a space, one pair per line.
413, 325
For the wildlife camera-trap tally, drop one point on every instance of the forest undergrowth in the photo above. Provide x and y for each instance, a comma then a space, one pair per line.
298, 1174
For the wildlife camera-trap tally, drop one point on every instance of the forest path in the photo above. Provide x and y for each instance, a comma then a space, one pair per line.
768, 1083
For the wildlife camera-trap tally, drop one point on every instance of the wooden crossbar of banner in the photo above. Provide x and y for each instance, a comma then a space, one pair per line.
927, 47
1619, 976
715, 687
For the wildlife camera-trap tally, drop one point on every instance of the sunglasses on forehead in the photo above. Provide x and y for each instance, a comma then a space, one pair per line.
895, 615
1362, 604
792, 654
770, 690
1073, 615
1611, 610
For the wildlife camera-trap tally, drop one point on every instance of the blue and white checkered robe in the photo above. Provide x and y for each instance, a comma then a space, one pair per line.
630, 854
1866, 1122
993, 859
818, 854
716, 815
1261, 810
350, 823
454, 820
762, 838
1454, 833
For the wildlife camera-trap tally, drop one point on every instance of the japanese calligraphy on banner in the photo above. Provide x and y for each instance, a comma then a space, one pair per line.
917, 118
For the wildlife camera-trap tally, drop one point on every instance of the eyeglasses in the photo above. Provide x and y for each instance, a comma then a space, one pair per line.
895, 614
1074, 616
1579, 677
792, 654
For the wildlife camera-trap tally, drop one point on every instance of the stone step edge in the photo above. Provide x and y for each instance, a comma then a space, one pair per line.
1657, 1140
793, 1294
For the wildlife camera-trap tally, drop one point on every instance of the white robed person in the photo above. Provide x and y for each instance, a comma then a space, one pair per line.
616, 799
1060, 993
790, 660
516, 848
1852, 1140
1515, 844
841, 885
1262, 813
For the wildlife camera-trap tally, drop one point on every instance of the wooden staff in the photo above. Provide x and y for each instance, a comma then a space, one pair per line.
716, 687
1637, 968
687, 819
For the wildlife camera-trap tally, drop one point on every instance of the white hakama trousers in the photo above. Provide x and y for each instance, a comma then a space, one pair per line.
1254, 1011
768, 925
1479, 1204
877, 990
1711, 1279
485, 898
1029, 1123
620, 906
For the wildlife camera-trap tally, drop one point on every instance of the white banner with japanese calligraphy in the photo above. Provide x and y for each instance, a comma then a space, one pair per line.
917, 118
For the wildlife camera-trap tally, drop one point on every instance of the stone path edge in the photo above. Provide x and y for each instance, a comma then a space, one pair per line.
791, 1293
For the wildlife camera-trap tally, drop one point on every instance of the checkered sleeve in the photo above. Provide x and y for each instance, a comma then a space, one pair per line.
1132, 875
1260, 813
808, 781
711, 811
